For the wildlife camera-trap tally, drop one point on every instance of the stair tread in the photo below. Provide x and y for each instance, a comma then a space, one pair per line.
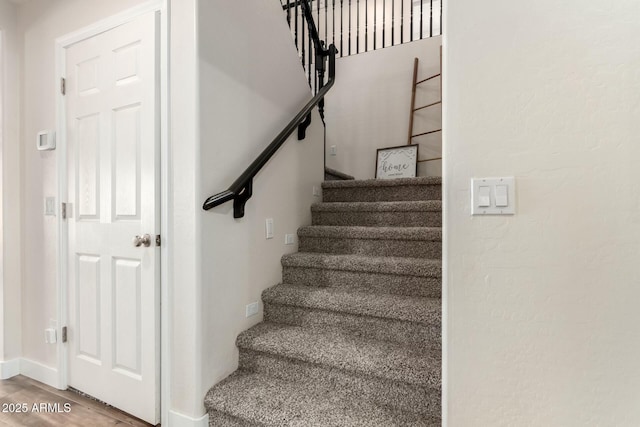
396, 307
336, 349
269, 401
422, 267
371, 233
402, 206
422, 180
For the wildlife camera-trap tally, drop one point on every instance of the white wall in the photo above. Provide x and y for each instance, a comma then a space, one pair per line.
184, 240
543, 320
10, 182
368, 108
251, 85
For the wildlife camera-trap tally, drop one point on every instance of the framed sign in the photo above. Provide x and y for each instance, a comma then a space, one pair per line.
397, 162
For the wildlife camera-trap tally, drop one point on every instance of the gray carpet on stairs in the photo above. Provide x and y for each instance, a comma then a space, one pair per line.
335, 175
352, 337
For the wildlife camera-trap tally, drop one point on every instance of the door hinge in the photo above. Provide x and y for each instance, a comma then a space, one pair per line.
158, 240
63, 85
64, 334
63, 210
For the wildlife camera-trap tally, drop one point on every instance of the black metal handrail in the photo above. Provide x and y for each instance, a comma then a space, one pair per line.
242, 188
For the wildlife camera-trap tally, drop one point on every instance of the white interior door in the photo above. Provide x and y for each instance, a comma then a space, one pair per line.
113, 188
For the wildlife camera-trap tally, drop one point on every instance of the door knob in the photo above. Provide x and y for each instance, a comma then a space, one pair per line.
142, 241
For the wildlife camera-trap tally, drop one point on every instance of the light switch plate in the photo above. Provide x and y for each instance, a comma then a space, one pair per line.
251, 309
500, 192
289, 239
268, 228
50, 206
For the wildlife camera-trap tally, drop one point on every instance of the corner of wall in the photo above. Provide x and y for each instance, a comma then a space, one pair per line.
176, 419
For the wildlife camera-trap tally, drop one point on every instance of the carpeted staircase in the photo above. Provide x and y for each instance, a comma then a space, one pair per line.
352, 336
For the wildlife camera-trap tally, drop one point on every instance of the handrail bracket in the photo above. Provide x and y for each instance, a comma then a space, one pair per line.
241, 199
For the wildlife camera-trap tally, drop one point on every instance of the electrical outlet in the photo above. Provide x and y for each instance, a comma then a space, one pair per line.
251, 309
316, 191
268, 225
289, 239
333, 150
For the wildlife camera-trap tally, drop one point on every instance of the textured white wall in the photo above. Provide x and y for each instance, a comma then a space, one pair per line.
10, 182
368, 108
251, 86
543, 325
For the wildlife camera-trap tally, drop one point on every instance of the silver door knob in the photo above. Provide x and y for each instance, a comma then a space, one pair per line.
142, 241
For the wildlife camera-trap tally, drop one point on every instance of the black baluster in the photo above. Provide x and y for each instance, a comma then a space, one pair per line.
401, 21
366, 25
333, 28
358, 26
430, 18
289, 13
349, 27
421, 2
303, 45
375, 22
326, 25
393, 25
341, 25
295, 15
411, 23
384, 20
310, 70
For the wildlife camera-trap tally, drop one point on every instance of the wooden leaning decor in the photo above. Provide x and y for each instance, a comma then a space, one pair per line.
413, 104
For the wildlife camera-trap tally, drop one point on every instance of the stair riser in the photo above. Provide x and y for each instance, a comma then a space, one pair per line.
423, 400
382, 194
372, 247
373, 282
378, 219
418, 335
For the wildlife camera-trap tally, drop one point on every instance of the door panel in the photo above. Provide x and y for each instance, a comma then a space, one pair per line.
113, 188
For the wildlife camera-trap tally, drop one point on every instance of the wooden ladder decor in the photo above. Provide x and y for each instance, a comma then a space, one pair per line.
413, 103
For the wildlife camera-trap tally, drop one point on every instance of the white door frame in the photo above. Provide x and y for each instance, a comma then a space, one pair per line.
62, 44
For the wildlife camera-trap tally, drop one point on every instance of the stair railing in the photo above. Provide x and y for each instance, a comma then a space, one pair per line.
242, 188
358, 26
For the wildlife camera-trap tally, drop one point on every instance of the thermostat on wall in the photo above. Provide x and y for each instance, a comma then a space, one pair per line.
46, 140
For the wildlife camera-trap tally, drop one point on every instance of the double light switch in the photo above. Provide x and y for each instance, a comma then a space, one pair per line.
493, 196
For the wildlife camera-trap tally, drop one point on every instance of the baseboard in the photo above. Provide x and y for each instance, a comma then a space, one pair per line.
9, 368
39, 372
177, 419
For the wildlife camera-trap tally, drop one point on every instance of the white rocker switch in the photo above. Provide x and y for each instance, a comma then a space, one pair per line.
484, 196
493, 196
502, 196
